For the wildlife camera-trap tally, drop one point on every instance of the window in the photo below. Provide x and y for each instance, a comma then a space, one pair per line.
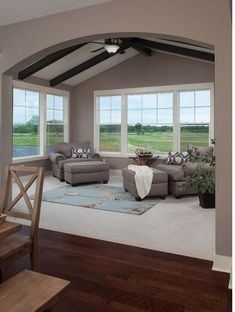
109, 108
39, 119
160, 119
150, 121
54, 120
194, 118
26, 137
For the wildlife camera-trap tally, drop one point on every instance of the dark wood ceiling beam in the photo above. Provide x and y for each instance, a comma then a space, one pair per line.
143, 50
201, 55
80, 68
47, 60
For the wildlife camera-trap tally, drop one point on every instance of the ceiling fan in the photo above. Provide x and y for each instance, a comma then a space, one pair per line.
112, 46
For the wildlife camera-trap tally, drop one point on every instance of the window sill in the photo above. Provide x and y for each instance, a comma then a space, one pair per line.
28, 159
112, 155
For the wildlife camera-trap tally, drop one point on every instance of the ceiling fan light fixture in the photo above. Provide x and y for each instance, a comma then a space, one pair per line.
111, 48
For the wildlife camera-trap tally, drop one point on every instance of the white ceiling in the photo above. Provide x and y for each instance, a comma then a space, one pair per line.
14, 11
79, 56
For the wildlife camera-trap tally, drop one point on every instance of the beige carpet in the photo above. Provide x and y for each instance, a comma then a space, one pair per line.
175, 226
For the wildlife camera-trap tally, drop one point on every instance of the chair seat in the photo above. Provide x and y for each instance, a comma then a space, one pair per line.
31, 292
13, 244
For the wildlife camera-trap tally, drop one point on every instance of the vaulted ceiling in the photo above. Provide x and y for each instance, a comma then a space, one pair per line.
79, 57
80, 62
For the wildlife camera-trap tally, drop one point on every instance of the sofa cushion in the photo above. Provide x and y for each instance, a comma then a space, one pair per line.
73, 160
86, 167
66, 148
175, 172
158, 176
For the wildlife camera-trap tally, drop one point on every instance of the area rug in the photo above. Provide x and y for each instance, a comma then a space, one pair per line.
99, 196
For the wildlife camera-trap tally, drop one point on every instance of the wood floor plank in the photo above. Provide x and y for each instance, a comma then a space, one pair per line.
153, 264
110, 277
94, 265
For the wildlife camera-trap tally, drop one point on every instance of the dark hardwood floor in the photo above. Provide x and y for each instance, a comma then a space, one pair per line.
118, 278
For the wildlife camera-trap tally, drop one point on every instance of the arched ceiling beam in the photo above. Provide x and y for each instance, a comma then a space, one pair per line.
164, 47
47, 60
80, 68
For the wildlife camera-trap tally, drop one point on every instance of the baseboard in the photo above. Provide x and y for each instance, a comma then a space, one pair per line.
222, 264
230, 285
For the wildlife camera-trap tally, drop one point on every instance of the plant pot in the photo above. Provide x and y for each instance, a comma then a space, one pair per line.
207, 200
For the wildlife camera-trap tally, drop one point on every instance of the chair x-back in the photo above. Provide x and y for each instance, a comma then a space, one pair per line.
19, 244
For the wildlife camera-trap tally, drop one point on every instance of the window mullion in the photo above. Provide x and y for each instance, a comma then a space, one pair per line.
176, 122
124, 125
211, 124
42, 123
97, 124
66, 123
157, 108
194, 103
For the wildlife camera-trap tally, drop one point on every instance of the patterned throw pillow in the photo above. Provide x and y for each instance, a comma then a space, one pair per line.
177, 158
81, 152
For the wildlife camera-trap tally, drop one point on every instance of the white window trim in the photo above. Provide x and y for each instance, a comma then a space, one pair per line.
171, 88
43, 91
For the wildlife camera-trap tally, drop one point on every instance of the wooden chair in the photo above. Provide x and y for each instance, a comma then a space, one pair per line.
19, 244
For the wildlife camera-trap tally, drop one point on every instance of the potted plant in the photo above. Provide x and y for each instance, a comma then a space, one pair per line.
143, 152
203, 180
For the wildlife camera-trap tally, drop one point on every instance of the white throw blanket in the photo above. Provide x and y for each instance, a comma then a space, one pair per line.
143, 179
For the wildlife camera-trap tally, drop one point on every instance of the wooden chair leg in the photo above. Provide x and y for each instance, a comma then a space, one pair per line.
2, 275
34, 258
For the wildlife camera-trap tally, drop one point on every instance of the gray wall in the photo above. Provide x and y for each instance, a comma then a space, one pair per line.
139, 71
207, 21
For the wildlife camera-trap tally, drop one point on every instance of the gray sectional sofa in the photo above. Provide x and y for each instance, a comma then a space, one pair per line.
94, 169
178, 173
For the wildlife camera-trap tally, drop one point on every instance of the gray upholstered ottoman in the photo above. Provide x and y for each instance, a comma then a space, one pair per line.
159, 184
86, 171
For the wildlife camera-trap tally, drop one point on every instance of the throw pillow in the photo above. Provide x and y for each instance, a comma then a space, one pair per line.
81, 152
177, 158
65, 148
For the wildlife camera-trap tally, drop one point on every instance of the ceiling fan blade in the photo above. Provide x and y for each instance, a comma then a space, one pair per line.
97, 50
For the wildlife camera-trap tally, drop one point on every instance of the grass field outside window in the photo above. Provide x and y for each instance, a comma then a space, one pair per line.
38, 119
161, 119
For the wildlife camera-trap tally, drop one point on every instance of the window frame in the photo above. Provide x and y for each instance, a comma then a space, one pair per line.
43, 91
175, 89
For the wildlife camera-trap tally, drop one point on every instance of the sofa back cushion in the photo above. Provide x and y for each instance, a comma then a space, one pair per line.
202, 150
66, 148
191, 168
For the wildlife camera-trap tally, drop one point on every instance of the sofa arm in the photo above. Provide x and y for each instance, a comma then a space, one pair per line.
96, 156
56, 157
